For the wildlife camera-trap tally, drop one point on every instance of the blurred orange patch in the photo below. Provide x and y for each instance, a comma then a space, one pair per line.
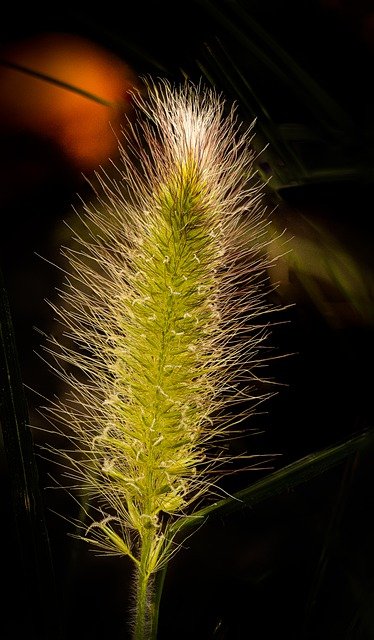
83, 128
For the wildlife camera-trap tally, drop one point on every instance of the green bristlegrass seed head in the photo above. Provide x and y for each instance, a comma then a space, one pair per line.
160, 307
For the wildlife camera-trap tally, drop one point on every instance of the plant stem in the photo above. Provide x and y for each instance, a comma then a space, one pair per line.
143, 614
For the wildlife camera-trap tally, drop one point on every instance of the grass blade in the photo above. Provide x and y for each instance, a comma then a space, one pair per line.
279, 481
276, 483
29, 578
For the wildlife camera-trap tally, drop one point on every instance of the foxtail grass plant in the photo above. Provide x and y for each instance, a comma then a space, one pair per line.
162, 308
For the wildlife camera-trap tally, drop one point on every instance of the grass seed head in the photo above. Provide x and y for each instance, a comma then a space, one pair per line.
160, 306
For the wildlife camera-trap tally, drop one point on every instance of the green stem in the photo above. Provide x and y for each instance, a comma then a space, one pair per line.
143, 621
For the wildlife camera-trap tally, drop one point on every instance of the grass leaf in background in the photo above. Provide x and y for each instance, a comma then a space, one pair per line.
322, 142
29, 595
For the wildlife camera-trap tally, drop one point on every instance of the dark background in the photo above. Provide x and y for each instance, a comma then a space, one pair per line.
298, 565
